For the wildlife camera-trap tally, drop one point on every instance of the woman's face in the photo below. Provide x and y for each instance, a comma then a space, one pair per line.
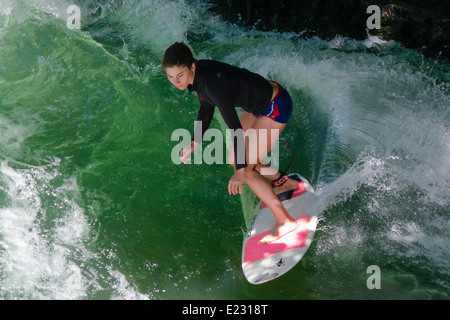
181, 76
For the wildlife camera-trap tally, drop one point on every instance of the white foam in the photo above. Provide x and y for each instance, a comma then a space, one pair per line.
33, 266
156, 24
44, 238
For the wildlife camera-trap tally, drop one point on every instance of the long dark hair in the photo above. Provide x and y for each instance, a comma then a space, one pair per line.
177, 54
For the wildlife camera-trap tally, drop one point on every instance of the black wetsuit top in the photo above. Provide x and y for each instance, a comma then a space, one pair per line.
227, 87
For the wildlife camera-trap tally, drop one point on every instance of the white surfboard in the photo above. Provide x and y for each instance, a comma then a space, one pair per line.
265, 262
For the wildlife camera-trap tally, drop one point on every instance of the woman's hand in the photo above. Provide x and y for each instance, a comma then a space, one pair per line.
236, 181
185, 153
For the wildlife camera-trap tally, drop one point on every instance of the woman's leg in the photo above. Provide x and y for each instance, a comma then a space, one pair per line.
247, 120
284, 223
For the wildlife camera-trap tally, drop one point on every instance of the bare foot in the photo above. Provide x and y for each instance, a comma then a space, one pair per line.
290, 184
278, 231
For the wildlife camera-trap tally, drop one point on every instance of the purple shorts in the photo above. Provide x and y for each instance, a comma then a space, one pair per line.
280, 108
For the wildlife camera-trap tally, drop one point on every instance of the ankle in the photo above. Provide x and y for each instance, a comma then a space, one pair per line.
282, 179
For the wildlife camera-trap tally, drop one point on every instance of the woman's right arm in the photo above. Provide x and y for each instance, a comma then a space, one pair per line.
204, 118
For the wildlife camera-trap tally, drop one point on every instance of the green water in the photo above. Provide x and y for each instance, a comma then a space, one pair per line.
92, 206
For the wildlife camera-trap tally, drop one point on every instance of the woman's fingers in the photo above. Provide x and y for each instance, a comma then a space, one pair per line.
185, 156
236, 181
234, 188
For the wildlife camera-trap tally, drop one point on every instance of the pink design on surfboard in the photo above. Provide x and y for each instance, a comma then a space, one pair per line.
294, 239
